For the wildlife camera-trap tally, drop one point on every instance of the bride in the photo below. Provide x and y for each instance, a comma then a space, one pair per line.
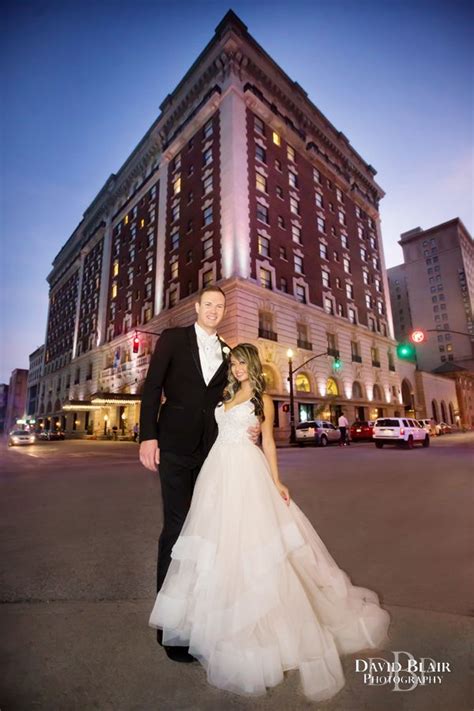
251, 588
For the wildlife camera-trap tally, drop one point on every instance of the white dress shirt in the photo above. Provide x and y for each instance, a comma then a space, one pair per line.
343, 422
210, 352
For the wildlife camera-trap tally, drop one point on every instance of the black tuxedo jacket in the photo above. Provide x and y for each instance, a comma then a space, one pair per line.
185, 423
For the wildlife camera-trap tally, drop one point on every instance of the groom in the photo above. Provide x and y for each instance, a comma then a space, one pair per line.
190, 365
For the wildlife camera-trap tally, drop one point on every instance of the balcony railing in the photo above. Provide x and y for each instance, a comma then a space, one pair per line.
333, 352
376, 363
270, 335
356, 358
304, 344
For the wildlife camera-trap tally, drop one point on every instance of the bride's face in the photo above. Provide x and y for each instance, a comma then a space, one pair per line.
239, 369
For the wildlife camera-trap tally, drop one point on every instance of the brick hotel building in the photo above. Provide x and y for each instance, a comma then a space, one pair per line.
241, 181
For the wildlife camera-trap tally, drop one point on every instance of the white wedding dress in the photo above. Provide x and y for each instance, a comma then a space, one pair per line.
251, 588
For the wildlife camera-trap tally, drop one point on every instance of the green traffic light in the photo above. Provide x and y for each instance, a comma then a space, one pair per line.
406, 350
337, 365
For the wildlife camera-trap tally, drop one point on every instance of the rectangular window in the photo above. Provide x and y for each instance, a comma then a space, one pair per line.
173, 297
352, 316
326, 279
177, 162
300, 294
341, 217
290, 153
319, 200
292, 179
175, 213
261, 183
339, 195
279, 192
258, 125
276, 138
262, 213
344, 242
207, 248
323, 251
298, 264
316, 175
363, 254
296, 233
207, 157
174, 269
328, 306
207, 185
263, 246
207, 278
208, 129
294, 206
208, 215
260, 153
283, 285
149, 264
347, 265
174, 240
281, 222
368, 301
265, 278
177, 186
349, 291
321, 224
283, 253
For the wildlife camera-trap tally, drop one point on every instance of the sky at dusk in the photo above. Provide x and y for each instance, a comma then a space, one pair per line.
83, 81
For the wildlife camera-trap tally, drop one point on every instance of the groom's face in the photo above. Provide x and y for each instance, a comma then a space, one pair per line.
210, 310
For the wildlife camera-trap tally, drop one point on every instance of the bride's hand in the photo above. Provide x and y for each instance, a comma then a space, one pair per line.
284, 493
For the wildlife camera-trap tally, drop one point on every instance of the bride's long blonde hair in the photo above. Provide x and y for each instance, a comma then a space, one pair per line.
248, 353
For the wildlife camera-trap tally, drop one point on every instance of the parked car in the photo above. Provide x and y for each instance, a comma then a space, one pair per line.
51, 435
445, 428
400, 431
318, 432
362, 430
17, 437
430, 426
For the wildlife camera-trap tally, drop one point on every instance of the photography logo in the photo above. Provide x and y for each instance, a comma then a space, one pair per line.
405, 672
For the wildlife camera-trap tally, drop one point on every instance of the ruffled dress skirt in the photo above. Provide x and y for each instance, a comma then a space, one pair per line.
253, 591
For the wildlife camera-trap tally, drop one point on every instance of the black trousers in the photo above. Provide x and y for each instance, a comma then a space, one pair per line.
178, 474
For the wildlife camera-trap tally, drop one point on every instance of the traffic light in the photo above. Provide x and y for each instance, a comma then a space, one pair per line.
136, 343
406, 351
337, 365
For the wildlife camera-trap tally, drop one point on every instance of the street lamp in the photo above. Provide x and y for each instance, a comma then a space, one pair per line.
291, 372
289, 353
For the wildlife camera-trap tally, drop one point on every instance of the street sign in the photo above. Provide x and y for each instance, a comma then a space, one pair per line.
417, 336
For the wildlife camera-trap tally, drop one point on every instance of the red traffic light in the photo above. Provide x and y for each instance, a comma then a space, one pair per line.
136, 344
417, 336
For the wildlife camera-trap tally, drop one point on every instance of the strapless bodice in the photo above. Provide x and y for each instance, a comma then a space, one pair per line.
234, 423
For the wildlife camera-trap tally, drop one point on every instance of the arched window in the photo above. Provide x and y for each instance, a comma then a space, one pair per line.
434, 410
357, 390
377, 392
269, 376
331, 387
302, 383
444, 415
451, 413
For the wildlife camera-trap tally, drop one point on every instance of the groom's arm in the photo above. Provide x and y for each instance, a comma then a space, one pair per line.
153, 386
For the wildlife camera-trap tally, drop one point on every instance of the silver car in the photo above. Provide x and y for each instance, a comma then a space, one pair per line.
21, 437
318, 432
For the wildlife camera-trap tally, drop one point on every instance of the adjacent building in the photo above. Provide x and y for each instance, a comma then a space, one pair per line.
16, 402
33, 383
243, 182
3, 405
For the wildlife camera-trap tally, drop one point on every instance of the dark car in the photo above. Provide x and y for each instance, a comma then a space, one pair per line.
51, 435
362, 430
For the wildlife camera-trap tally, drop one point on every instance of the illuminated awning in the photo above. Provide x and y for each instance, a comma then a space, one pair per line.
79, 405
104, 399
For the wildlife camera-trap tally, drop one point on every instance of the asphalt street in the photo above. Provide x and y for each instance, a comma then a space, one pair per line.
79, 528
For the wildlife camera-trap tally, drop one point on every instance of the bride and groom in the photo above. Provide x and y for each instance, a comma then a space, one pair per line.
244, 583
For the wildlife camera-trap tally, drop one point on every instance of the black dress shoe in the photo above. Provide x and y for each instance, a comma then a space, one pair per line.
179, 654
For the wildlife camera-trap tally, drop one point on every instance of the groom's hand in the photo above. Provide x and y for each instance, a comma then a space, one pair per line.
254, 433
150, 454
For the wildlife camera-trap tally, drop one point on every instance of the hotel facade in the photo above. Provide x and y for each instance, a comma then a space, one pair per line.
241, 182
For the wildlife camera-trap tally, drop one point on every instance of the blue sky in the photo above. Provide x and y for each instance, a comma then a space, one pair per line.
82, 82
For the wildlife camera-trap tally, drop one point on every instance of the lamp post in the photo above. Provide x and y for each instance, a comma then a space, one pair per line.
291, 372
289, 353
106, 419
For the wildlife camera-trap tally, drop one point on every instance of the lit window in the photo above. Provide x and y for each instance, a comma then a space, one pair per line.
263, 246
207, 278
174, 270
142, 222
261, 183
177, 186
276, 138
116, 267
290, 153
114, 291
265, 278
